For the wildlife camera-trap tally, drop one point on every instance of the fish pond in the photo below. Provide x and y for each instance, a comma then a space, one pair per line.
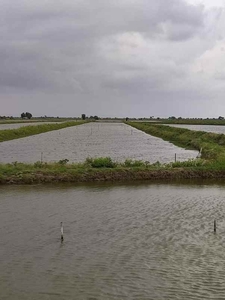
220, 129
117, 140
142, 241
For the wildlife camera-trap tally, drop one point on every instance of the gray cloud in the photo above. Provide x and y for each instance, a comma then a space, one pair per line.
105, 54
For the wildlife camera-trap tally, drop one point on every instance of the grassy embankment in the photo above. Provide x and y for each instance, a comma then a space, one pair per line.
211, 165
101, 169
11, 134
35, 120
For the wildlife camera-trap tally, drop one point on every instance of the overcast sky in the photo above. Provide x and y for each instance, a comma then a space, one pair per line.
112, 57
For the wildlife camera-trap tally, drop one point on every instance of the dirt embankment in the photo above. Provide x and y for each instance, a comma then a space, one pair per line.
113, 176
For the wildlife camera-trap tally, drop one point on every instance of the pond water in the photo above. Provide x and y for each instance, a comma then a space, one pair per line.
18, 125
206, 128
143, 241
117, 140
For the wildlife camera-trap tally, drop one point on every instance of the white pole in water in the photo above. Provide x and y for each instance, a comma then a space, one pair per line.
62, 232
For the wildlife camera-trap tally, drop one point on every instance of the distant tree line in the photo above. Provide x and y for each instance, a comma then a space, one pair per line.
84, 117
28, 115
5, 118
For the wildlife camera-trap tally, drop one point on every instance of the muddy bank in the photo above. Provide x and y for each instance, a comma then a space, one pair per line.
111, 175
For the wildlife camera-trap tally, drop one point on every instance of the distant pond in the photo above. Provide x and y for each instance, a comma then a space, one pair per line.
206, 128
117, 140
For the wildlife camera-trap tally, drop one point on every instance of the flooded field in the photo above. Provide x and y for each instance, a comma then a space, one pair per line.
18, 125
117, 140
149, 241
206, 128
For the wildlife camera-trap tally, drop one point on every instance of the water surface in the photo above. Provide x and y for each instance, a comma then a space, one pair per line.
117, 140
207, 128
149, 241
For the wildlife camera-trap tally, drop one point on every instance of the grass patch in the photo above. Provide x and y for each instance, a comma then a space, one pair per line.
94, 164
100, 162
105, 169
34, 120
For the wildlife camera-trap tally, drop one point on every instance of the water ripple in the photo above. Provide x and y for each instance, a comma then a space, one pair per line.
92, 140
125, 242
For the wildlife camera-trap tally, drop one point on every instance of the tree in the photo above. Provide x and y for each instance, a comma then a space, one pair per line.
96, 117
23, 115
28, 115
127, 119
83, 116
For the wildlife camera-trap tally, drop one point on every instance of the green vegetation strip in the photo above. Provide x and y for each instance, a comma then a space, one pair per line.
212, 144
11, 134
35, 120
104, 169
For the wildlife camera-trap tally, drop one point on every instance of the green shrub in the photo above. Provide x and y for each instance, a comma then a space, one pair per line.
38, 164
63, 161
134, 163
157, 164
100, 162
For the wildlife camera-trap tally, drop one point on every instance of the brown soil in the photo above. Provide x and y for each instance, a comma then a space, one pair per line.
113, 176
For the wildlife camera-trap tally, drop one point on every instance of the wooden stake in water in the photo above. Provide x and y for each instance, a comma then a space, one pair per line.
41, 157
214, 226
62, 232
175, 157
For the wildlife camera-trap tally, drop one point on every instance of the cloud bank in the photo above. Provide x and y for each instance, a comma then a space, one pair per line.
112, 58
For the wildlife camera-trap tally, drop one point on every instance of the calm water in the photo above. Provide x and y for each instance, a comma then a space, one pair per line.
116, 140
121, 242
207, 128
18, 125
